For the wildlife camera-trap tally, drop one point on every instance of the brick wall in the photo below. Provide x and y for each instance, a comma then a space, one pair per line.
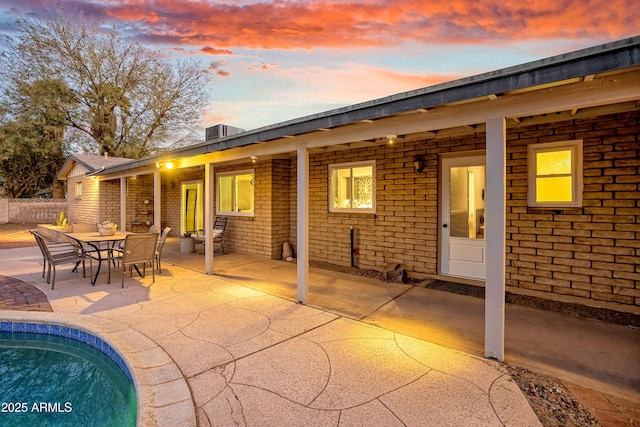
110, 202
83, 209
404, 228
576, 255
139, 189
588, 253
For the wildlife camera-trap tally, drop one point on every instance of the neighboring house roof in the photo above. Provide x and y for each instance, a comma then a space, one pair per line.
557, 70
91, 163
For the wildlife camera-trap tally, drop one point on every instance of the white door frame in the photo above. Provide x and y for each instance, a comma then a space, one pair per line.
475, 247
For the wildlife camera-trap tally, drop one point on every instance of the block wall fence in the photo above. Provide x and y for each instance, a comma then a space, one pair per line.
31, 211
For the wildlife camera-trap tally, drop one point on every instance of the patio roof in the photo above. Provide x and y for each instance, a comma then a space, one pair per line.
545, 73
91, 163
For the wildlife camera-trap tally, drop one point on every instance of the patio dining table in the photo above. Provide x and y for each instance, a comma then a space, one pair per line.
95, 240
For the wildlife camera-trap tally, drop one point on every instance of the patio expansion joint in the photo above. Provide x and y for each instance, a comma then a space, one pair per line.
299, 335
430, 368
495, 411
386, 303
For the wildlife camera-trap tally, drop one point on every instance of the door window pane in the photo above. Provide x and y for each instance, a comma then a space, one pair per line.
467, 188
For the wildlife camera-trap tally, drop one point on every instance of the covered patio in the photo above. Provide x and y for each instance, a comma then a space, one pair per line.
410, 148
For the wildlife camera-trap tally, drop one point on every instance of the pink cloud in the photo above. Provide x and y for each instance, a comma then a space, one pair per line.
280, 24
216, 67
213, 51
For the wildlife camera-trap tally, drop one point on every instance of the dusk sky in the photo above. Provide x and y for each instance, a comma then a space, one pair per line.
272, 61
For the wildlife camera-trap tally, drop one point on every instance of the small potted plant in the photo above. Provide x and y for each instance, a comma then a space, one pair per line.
107, 228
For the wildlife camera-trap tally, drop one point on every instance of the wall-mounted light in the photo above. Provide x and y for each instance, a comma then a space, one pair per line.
391, 139
167, 165
254, 159
419, 164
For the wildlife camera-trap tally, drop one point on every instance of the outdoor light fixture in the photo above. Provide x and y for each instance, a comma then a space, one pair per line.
254, 159
391, 138
419, 163
167, 165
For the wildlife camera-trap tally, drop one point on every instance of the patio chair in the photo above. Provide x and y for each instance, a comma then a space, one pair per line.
161, 240
57, 248
83, 227
154, 229
219, 227
54, 254
139, 249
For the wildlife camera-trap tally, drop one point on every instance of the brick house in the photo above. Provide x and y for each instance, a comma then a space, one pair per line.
90, 200
523, 179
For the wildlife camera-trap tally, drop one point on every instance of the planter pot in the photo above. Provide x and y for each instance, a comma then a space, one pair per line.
187, 245
106, 230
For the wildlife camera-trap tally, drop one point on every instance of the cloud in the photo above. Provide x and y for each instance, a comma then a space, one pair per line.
216, 67
213, 51
280, 24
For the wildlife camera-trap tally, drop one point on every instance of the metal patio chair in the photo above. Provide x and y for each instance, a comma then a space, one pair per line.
54, 254
160, 245
219, 227
139, 249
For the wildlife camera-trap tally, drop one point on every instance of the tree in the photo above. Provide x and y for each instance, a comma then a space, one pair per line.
27, 162
125, 100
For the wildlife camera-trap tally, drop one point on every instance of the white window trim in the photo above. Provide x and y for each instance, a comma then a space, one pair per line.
332, 167
576, 171
234, 173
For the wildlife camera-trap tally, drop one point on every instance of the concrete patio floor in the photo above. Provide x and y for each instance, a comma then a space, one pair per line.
361, 353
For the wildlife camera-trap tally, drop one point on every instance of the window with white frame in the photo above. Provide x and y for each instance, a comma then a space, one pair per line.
352, 187
78, 189
235, 193
555, 174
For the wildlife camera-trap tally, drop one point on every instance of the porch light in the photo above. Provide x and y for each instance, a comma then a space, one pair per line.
419, 163
391, 138
254, 159
167, 165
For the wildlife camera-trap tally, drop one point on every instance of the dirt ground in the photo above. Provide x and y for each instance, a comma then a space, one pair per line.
16, 235
552, 402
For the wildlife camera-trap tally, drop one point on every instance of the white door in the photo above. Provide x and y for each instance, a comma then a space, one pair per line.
462, 251
191, 213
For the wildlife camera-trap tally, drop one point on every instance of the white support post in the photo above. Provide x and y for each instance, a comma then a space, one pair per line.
157, 194
494, 305
303, 223
123, 204
209, 211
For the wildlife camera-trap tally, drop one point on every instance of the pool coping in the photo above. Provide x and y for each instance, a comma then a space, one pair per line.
163, 396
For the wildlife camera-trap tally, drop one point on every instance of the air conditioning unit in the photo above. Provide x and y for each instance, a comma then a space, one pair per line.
220, 131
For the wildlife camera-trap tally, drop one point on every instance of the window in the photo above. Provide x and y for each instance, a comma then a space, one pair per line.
352, 187
555, 174
78, 189
236, 193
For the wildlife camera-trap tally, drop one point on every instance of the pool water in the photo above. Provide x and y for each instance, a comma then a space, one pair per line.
48, 380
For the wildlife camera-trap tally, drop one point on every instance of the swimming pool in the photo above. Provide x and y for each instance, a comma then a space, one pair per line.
53, 375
